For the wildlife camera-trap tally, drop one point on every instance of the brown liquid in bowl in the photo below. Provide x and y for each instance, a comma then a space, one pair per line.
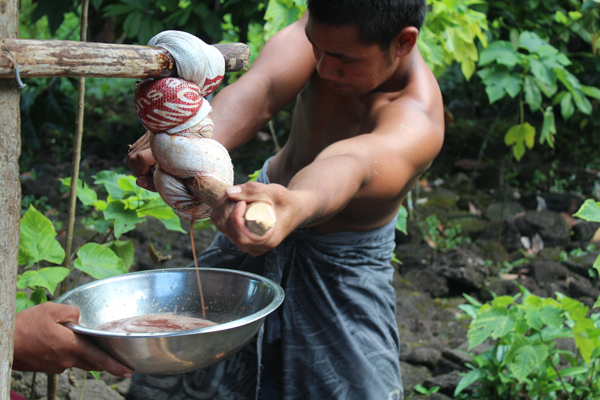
155, 323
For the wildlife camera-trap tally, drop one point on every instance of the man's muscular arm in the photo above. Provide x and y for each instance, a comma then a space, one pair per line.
372, 167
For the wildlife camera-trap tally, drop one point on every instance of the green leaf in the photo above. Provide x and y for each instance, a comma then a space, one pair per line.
110, 180
23, 302
124, 250
531, 41
468, 379
95, 374
494, 322
596, 266
582, 102
520, 136
591, 91
127, 183
551, 316
37, 241
125, 220
86, 195
533, 318
98, 261
589, 211
498, 81
401, 219
280, 14
582, 341
533, 95
566, 106
47, 278
571, 371
527, 358
540, 71
561, 18
172, 224
54, 11
101, 225
548, 89
156, 208
501, 52
548, 127
132, 23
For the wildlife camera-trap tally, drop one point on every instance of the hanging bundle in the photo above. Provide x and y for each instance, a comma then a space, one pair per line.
176, 113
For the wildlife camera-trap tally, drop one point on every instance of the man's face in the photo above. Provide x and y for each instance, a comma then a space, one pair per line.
350, 67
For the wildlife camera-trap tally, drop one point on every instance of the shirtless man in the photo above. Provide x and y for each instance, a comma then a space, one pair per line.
368, 122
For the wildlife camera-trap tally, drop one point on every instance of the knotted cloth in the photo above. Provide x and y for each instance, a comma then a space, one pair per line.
176, 113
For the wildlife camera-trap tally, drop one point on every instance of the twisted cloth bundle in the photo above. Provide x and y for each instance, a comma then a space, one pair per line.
176, 113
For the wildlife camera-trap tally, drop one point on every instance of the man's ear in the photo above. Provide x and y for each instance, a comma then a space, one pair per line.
405, 41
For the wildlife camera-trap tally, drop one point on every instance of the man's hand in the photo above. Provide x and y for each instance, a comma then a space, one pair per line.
228, 215
43, 344
140, 160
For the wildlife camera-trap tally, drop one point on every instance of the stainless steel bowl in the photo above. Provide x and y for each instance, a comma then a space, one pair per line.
238, 301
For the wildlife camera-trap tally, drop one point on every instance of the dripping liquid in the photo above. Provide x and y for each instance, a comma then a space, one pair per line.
197, 271
154, 323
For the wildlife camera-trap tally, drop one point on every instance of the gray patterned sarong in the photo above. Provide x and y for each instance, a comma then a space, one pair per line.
334, 337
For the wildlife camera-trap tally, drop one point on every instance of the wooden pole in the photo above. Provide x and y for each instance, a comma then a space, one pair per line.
10, 200
62, 58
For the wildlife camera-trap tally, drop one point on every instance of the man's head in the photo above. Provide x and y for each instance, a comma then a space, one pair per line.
378, 21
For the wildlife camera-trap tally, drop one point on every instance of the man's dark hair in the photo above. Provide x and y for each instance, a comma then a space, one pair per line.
378, 21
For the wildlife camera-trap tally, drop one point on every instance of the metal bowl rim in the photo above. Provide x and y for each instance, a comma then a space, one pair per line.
276, 302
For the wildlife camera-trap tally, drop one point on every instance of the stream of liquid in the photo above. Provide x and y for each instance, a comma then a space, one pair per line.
154, 323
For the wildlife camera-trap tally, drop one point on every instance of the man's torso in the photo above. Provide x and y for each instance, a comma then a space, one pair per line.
322, 117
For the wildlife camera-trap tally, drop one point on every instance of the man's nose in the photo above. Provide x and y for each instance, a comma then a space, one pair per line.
327, 68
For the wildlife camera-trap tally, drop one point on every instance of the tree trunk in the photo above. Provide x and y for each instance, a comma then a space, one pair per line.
10, 199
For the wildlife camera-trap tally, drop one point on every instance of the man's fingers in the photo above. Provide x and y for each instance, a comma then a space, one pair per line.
97, 360
146, 182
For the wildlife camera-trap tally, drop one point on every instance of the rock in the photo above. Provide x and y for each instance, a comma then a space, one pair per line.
425, 356
442, 199
413, 257
446, 382
471, 227
559, 202
545, 271
584, 231
582, 288
439, 396
445, 366
581, 264
478, 350
457, 356
94, 390
550, 225
501, 287
505, 231
413, 376
428, 281
495, 252
123, 387
464, 270
506, 211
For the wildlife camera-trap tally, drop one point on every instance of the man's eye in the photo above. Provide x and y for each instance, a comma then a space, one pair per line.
346, 61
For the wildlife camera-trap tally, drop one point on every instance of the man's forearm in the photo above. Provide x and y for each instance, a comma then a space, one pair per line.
326, 186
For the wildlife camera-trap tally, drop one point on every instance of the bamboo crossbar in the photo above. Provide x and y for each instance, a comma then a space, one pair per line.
66, 58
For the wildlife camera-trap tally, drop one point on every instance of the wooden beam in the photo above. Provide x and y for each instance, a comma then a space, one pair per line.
50, 58
10, 200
